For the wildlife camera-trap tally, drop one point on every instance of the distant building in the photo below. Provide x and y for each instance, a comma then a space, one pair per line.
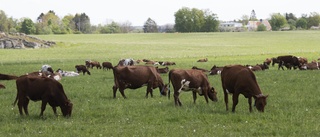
230, 26
253, 25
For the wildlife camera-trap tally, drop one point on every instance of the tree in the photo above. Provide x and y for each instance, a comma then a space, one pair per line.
245, 19
150, 26
261, 27
27, 26
302, 23
290, 16
126, 27
82, 22
313, 19
69, 24
211, 23
3, 22
277, 21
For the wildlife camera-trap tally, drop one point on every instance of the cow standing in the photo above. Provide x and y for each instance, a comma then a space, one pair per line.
83, 69
238, 80
194, 80
47, 90
134, 77
107, 65
288, 61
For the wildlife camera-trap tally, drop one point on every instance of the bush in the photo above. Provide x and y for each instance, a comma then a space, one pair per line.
262, 27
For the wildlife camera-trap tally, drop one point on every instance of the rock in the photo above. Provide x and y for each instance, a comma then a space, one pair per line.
21, 41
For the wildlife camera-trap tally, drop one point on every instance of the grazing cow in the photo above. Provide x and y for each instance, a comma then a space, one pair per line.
254, 68
191, 80
167, 63
162, 70
202, 69
203, 60
83, 69
134, 77
87, 63
215, 70
268, 61
264, 66
288, 61
95, 64
6, 77
107, 65
41, 88
126, 62
275, 61
302, 60
238, 79
310, 66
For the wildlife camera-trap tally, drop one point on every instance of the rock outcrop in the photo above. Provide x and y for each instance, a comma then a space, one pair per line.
21, 41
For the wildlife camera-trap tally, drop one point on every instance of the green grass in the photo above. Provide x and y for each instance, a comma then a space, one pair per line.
293, 102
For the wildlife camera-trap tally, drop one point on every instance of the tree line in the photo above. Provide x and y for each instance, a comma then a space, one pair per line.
186, 20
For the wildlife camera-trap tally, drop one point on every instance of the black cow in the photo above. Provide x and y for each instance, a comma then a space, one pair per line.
288, 61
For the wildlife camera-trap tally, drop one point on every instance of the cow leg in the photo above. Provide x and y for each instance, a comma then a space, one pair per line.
122, 93
54, 110
114, 91
250, 103
149, 90
194, 93
235, 101
176, 98
43, 107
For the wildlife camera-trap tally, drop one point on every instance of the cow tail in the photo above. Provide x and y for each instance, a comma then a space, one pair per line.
15, 102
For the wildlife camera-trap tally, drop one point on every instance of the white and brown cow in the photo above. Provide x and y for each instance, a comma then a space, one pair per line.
238, 79
191, 80
134, 77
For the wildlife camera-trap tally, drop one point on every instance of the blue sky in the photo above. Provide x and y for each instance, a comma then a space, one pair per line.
161, 11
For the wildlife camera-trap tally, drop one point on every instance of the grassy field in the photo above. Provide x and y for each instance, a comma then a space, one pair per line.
293, 102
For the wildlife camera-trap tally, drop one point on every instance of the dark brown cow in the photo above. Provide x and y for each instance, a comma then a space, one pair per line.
215, 70
238, 79
310, 66
6, 77
302, 60
162, 70
202, 69
83, 69
95, 64
288, 60
134, 77
41, 88
203, 60
107, 65
268, 61
274, 61
191, 80
167, 63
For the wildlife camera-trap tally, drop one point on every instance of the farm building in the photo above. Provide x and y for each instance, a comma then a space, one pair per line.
253, 25
230, 26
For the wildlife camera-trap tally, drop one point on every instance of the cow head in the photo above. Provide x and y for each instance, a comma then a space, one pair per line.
67, 109
213, 94
164, 89
260, 102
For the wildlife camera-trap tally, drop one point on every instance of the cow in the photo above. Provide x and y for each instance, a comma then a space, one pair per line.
288, 61
57, 76
41, 88
302, 60
203, 60
238, 79
83, 69
167, 63
191, 80
95, 64
202, 69
254, 68
310, 66
162, 70
274, 61
6, 77
126, 62
87, 63
47, 69
107, 65
215, 70
264, 66
267, 61
134, 77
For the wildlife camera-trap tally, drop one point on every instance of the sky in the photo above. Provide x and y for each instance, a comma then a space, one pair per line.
161, 11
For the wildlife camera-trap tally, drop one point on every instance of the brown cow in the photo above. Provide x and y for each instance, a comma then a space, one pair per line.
288, 61
202, 69
107, 65
95, 64
215, 70
194, 80
302, 60
2, 86
167, 63
162, 70
134, 77
83, 69
310, 66
203, 60
42, 88
268, 61
238, 79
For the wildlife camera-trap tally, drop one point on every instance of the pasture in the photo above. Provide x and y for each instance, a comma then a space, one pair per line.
293, 102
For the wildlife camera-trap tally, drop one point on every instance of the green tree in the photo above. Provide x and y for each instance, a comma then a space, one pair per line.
183, 20
150, 26
277, 21
82, 23
211, 23
302, 23
27, 26
3, 22
261, 27
292, 23
313, 19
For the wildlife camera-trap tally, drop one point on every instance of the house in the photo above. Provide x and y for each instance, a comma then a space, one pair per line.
253, 25
230, 26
